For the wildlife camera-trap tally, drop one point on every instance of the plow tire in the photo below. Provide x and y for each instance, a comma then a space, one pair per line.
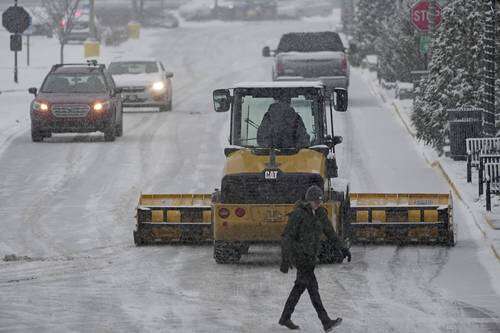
244, 248
226, 252
329, 254
138, 239
451, 240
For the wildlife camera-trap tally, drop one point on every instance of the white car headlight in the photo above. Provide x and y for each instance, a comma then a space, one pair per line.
158, 86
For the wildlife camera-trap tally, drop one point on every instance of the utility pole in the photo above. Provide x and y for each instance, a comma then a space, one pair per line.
347, 16
489, 60
93, 30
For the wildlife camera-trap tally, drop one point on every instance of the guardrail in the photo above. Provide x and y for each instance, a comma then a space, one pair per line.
483, 160
479, 146
492, 181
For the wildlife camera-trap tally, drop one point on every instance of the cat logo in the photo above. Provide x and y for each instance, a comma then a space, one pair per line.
271, 174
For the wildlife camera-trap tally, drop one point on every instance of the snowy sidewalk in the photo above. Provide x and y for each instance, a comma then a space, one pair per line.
454, 171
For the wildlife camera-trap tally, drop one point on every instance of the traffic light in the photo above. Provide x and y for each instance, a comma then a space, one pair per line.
16, 42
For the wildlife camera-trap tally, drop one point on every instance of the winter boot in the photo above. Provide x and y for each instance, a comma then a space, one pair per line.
288, 323
331, 324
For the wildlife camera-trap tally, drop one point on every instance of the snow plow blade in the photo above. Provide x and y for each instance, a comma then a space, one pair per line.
401, 219
173, 218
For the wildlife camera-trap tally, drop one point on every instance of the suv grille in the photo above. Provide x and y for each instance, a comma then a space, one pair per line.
70, 110
250, 188
133, 89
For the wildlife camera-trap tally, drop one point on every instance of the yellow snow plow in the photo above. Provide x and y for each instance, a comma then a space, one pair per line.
167, 218
262, 181
401, 218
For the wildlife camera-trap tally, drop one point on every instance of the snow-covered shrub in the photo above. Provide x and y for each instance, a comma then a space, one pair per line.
456, 70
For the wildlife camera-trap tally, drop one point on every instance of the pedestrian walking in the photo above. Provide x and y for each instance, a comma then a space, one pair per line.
300, 249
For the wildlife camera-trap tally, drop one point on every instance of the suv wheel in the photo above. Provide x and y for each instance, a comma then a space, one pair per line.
36, 135
119, 128
167, 106
226, 252
110, 133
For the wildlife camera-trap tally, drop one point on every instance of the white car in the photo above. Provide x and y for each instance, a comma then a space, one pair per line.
143, 83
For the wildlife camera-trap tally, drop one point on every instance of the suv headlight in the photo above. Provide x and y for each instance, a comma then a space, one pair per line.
40, 106
158, 86
100, 106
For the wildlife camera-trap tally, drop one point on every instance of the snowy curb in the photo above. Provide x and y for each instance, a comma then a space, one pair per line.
436, 164
456, 188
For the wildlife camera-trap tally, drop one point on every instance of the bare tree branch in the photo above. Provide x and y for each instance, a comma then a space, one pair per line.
62, 11
62, 14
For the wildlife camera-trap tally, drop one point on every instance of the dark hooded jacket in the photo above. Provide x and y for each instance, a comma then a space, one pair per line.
282, 127
301, 238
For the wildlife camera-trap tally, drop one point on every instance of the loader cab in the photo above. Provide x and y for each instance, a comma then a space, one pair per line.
253, 104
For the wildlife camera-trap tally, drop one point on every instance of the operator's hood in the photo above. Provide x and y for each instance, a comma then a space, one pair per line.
304, 161
131, 80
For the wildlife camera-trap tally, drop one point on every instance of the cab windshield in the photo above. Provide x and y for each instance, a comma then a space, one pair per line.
277, 118
74, 83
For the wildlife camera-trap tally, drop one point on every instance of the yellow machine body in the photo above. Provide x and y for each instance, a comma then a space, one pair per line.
305, 161
261, 223
371, 217
401, 218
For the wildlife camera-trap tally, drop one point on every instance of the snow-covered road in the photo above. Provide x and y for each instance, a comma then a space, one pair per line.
69, 204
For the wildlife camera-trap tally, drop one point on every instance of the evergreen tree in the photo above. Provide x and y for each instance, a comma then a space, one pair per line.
456, 70
369, 24
398, 45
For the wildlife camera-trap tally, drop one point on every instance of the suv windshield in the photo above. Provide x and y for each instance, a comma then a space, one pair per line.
118, 68
74, 83
278, 118
310, 42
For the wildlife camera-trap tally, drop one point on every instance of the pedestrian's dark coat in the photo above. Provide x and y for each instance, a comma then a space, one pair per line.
282, 127
301, 241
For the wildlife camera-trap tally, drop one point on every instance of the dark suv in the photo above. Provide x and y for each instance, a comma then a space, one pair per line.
77, 98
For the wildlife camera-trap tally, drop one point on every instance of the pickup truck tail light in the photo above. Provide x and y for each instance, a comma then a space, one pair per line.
280, 69
343, 64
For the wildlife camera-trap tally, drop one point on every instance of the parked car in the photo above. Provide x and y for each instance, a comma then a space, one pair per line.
255, 9
197, 10
370, 62
159, 19
40, 23
80, 30
143, 83
77, 98
311, 56
404, 90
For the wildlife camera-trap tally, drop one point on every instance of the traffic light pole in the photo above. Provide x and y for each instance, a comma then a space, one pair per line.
93, 30
15, 68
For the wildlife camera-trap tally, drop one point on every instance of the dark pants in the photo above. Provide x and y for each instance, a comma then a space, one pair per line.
305, 280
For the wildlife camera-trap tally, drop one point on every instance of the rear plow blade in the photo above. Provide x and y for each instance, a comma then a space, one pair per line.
401, 219
173, 218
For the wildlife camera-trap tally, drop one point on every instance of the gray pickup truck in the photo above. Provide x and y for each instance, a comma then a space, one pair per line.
311, 56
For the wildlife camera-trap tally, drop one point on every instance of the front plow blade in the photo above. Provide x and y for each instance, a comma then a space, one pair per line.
401, 219
173, 218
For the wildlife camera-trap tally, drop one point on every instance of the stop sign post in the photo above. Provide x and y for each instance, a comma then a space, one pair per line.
16, 20
420, 15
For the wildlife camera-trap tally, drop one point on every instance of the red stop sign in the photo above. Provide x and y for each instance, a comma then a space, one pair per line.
420, 15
